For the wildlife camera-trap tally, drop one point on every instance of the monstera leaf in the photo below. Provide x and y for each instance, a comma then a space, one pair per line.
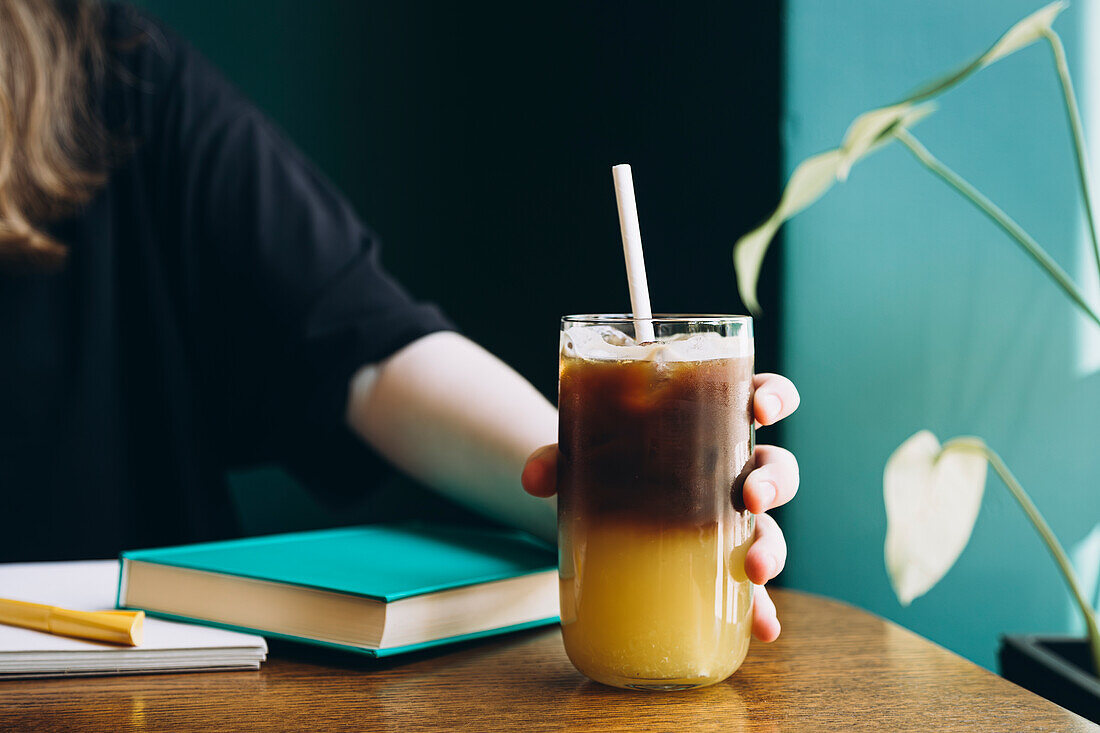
932, 495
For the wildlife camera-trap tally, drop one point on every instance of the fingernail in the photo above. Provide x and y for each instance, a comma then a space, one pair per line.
773, 566
766, 492
771, 405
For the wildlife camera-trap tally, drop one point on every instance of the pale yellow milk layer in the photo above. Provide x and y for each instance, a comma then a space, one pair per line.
643, 603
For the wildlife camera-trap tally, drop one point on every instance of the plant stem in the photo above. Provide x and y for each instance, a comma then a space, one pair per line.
1056, 551
1001, 219
1074, 115
1045, 533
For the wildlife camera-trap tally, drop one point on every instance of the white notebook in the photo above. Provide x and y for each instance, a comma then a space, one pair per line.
90, 586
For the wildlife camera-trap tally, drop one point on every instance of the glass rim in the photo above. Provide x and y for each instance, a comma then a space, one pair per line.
712, 318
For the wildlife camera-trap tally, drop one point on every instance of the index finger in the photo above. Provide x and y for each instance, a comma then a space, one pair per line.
540, 473
774, 399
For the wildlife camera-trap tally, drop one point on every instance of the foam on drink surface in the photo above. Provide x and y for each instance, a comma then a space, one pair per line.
607, 343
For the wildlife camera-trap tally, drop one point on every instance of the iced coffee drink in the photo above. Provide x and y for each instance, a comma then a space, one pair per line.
656, 440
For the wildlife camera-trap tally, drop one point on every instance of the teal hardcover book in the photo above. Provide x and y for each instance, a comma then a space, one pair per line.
379, 590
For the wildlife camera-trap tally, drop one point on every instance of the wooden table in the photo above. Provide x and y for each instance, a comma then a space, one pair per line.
835, 668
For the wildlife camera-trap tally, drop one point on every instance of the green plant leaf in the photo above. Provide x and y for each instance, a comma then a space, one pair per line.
1023, 34
876, 128
932, 497
809, 182
869, 131
864, 131
1026, 32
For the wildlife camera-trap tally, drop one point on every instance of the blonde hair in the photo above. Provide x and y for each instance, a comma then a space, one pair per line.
53, 146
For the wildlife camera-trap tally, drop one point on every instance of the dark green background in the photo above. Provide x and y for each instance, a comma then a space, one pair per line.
477, 139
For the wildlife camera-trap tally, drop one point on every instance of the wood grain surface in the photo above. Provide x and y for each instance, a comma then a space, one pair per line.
834, 668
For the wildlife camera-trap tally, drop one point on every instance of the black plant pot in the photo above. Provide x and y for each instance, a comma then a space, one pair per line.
1057, 667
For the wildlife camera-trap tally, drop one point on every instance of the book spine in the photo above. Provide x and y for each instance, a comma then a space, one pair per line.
120, 592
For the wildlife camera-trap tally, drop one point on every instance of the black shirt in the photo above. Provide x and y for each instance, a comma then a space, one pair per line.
217, 297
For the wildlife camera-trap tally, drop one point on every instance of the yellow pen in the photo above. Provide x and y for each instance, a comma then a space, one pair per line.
117, 627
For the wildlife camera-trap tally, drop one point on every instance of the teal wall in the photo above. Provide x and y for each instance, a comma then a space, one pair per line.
905, 309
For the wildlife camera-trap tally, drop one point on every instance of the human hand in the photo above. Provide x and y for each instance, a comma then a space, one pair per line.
772, 483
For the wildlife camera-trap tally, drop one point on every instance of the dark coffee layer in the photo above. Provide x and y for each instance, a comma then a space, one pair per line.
669, 443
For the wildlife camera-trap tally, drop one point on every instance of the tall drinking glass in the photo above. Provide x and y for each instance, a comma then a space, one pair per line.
656, 440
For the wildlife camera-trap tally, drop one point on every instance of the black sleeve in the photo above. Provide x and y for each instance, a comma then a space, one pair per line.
282, 283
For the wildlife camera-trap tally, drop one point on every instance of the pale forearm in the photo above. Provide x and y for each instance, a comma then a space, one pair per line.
452, 415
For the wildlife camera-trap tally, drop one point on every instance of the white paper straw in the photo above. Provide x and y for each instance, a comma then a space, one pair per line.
632, 251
